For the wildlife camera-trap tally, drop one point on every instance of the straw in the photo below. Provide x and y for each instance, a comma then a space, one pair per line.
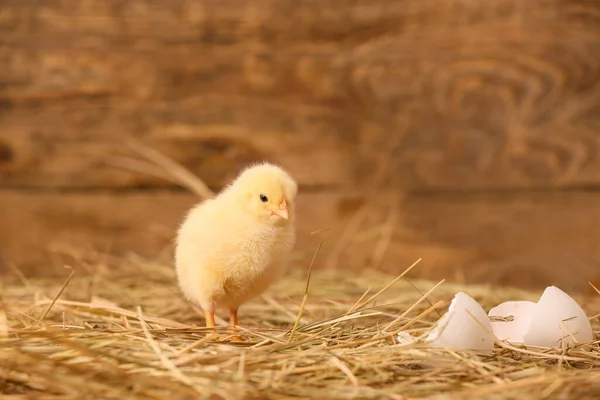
109, 348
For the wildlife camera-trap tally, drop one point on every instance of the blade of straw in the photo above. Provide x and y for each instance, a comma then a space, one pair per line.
305, 297
62, 289
407, 270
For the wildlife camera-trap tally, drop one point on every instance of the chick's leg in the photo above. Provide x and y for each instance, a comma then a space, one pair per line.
209, 316
233, 317
233, 322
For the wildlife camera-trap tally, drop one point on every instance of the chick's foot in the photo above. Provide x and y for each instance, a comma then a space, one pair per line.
227, 338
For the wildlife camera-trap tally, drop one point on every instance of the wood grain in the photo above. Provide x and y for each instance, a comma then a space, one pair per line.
74, 148
483, 95
527, 240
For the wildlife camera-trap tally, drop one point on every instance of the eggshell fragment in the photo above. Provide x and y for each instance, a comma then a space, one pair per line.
512, 331
463, 327
405, 338
557, 320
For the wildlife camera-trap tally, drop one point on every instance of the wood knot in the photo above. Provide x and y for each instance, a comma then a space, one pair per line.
349, 205
218, 160
7, 155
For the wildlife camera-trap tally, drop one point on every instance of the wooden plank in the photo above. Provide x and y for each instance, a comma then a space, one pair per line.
70, 147
531, 240
228, 21
478, 95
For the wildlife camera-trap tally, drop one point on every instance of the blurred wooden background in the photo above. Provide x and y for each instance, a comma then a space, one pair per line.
464, 132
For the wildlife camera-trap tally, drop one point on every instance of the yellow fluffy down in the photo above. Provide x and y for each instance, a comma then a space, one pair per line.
231, 248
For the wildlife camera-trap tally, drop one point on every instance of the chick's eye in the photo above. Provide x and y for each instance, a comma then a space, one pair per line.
263, 198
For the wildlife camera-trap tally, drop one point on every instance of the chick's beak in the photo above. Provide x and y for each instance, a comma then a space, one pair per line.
283, 210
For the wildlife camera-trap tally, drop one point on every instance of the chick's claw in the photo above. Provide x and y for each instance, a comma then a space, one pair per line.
228, 338
234, 338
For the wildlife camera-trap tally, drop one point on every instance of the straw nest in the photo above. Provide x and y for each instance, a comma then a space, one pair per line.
122, 330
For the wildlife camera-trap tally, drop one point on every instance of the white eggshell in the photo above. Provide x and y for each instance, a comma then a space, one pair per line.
459, 330
556, 320
512, 331
405, 338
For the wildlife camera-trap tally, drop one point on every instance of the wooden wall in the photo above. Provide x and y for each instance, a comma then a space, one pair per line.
471, 127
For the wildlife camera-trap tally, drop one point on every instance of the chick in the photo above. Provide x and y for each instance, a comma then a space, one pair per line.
231, 248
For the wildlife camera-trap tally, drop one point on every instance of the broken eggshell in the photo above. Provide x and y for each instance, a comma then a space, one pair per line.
405, 338
556, 320
463, 327
512, 331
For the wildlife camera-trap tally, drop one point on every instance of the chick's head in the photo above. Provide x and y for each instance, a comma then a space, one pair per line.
269, 192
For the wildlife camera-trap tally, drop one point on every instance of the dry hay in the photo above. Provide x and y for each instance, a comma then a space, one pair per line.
122, 330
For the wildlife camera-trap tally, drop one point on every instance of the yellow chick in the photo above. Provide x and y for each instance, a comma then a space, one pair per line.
231, 248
